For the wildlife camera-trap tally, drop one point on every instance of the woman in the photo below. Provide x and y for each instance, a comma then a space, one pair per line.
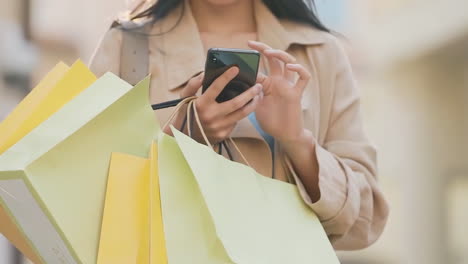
304, 108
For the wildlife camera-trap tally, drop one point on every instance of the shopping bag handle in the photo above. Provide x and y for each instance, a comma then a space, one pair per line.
180, 104
191, 108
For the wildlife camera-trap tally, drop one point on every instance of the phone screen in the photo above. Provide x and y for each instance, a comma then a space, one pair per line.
220, 60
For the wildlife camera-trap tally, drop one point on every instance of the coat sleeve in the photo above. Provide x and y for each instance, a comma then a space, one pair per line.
106, 57
351, 207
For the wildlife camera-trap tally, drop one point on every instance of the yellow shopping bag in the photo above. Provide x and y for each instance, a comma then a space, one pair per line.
53, 180
58, 87
132, 229
125, 224
148, 221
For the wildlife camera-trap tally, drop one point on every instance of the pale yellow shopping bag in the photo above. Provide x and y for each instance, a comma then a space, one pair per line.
53, 180
58, 87
188, 226
213, 211
255, 219
132, 228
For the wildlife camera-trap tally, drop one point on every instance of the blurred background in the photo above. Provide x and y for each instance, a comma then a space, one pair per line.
411, 60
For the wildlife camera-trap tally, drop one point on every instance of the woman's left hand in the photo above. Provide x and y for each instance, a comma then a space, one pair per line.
279, 113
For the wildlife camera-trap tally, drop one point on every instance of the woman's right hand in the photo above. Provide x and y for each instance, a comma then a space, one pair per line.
219, 119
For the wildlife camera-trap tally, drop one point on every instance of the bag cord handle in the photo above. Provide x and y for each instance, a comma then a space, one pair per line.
191, 108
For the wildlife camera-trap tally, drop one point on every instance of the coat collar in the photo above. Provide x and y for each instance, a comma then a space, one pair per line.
183, 51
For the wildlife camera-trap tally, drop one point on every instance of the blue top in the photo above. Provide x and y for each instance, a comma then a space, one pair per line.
268, 138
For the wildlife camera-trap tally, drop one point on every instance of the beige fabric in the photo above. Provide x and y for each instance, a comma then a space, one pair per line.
134, 56
352, 208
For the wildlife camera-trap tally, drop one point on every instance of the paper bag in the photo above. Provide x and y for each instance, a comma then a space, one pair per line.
158, 252
125, 225
257, 219
58, 87
132, 228
53, 181
190, 232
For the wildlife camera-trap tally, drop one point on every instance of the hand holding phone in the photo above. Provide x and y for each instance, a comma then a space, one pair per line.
229, 92
220, 60
219, 119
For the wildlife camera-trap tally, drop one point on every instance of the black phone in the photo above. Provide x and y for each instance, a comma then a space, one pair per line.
219, 60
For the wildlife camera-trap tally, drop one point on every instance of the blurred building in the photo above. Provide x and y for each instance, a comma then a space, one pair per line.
415, 102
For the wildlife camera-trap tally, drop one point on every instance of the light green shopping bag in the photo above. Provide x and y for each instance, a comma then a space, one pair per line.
238, 215
189, 229
53, 181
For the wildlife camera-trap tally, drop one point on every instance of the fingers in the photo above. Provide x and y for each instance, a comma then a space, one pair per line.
259, 46
265, 82
281, 55
244, 111
276, 60
218, 85
193, 85
261, 78
216, 117
285, 58
275, 65
241, 100
304, 75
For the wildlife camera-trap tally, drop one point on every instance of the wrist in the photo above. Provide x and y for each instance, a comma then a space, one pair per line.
304, 138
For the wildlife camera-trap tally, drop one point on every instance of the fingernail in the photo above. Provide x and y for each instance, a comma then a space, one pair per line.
233, 71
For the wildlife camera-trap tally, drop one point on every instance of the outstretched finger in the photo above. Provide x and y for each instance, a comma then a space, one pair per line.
275, 65
258, 46
304, 75
282, 55
285, 58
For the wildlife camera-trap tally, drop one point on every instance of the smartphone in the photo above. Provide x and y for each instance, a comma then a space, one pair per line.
219, 60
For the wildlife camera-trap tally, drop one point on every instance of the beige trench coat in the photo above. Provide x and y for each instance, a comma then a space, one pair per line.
352, 208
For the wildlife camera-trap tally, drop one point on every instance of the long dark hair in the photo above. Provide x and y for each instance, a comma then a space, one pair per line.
302, 11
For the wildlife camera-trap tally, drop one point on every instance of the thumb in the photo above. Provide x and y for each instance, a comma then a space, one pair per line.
261, 78
193, 85
265, 82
